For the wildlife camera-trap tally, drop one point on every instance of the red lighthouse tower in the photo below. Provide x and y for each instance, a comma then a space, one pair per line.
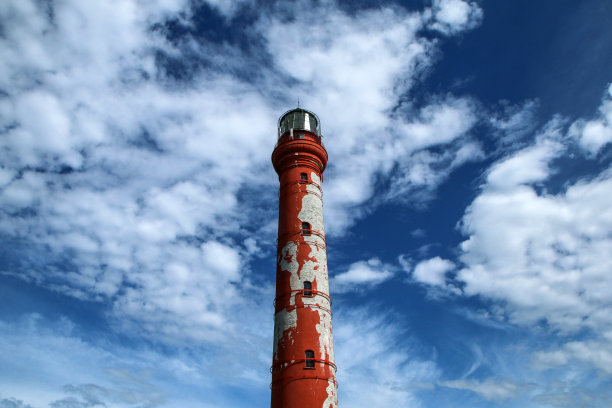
303, 369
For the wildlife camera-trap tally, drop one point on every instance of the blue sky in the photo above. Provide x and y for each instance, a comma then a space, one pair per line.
467, 199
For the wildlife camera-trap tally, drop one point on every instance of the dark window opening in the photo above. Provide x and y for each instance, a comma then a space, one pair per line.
306, 228
303, 177
307, 288
310, 359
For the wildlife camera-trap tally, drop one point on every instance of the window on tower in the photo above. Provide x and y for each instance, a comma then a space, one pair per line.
310, 363
306, 229
307, 288
303, 178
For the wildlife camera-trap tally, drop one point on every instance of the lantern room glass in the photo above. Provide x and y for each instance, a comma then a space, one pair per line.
298, 119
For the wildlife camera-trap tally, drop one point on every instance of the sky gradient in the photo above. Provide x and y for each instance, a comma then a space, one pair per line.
467, 199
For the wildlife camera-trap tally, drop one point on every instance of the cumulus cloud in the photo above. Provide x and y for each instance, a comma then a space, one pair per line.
129, 180
545, 256
146, 186
362, 274
432, 271
137, 181
453, 16
594, 134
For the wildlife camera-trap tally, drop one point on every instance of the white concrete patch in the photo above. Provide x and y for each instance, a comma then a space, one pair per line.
326, 342
332, 398
313, 270
283, 320
315, 178
312, 212
288, 261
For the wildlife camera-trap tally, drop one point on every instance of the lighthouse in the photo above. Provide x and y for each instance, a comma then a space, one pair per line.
303, 369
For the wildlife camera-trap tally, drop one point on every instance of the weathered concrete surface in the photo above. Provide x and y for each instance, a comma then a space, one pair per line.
302, 322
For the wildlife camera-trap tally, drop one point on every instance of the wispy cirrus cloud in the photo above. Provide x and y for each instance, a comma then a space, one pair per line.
373, 357
490, 390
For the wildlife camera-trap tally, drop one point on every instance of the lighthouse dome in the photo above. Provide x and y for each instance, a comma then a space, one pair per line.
299, 118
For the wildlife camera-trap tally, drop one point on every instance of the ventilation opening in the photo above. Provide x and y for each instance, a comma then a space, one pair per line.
306, 229
308, 289
309, 362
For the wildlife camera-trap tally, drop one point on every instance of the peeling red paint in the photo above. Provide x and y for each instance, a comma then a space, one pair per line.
302, 322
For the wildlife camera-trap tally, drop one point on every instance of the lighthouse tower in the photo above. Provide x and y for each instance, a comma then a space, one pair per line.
303, 369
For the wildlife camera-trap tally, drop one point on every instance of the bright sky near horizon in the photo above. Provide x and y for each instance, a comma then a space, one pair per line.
467, 200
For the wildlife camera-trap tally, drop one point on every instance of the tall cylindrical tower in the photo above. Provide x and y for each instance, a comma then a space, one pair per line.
303, 370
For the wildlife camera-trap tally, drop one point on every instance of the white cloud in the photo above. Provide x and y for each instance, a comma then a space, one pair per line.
453, 16
362, 274
489, 390
432, 271
354, 95
594, 134
544, 254
146, 190
513, 123
42, 354
125, 170
530, 165
590, 353
228, 8
372, 350
370, 355
418, 177
545, 257
439, 123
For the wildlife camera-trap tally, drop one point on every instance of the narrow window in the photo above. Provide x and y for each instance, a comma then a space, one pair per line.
310, 359
306, 228
307, 288
303, 177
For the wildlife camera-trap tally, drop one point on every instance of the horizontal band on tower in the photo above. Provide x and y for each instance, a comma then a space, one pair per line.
301, 182
315, 292
290, 363
285, 194
310, 166
304, 153
306, 377
302, 232
306, 306
314, 243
